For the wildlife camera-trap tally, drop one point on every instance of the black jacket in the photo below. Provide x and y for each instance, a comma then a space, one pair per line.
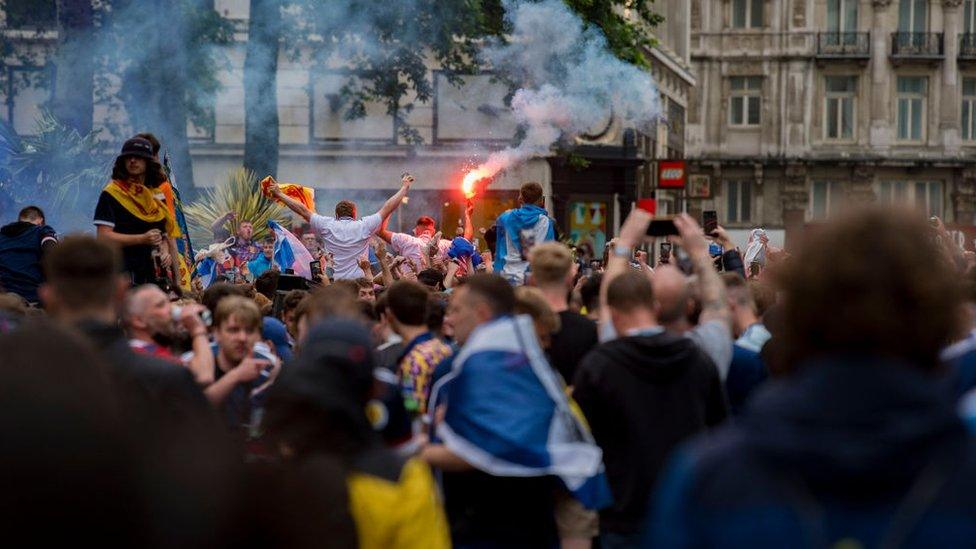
154, 392
642, 396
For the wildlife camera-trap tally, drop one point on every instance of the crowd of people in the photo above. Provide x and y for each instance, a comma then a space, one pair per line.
416, 392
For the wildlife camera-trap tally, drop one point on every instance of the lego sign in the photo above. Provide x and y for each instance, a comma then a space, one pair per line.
671, 174
963, 235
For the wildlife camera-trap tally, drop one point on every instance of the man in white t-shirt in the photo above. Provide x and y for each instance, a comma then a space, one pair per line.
415, 246
344, 235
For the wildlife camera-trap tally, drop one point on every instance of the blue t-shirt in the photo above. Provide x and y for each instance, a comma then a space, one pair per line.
20, 257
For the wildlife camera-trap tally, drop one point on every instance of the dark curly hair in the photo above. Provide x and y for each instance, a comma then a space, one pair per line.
870, 284
155, 176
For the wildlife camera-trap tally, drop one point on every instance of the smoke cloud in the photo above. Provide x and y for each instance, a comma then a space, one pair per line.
570, 81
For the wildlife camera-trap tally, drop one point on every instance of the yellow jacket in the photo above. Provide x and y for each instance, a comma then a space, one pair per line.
404, 513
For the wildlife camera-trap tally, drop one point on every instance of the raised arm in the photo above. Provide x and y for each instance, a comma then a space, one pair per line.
385, 274
220, 221
394, 201
292, 204
468, 226
632, 233
714, 304
385, 233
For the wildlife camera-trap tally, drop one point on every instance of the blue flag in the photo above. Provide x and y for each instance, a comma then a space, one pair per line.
508, 415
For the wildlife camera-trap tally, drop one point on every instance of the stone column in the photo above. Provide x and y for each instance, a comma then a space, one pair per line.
861, 189
794, 196
951, 98
882, 134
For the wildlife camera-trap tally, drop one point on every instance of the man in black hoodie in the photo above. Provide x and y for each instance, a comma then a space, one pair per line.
646, 391
861, 446
22, 244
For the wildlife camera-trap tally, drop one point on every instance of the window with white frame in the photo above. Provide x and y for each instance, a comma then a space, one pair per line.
826, 198
927, 196
911, 107
839, 102
747, 14
745, 101
968, 109
738, 201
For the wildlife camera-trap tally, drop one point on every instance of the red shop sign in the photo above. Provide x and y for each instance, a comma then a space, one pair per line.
671, 174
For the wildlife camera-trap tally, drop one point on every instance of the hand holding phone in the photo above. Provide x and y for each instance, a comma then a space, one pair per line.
665, 252
710, 222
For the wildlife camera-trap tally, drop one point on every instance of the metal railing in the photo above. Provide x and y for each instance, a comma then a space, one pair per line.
844, 44
917, 44
967, 46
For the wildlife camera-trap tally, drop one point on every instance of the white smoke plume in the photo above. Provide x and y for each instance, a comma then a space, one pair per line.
569, 81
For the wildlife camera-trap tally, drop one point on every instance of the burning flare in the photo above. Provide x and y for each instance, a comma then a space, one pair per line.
468, 185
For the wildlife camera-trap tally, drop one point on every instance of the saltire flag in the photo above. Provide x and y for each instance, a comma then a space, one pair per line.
507, 413
290, 253
305, 195
207, 271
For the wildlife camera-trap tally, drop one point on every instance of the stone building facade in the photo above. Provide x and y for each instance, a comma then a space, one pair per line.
807, 106
362, 159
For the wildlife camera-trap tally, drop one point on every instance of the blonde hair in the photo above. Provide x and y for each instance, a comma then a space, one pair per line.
241, 308
550, 263
530, 301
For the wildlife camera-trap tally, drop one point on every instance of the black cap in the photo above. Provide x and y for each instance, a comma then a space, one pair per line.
139, 147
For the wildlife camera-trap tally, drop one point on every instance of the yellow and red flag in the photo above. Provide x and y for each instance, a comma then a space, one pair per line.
305, 195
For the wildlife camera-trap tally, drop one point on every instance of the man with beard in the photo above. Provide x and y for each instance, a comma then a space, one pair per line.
152, 329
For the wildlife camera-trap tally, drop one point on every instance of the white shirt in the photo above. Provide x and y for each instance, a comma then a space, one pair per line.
347, 239
414, 248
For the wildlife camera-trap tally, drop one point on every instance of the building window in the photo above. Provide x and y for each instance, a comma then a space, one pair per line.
747, 14
969, 109
738, 201
28, 89
911, 107
745, 101
927, 196
826, 198
842, 16
969, 17
839, 107
912, 15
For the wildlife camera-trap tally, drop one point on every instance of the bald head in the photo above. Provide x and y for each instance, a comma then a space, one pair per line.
673, 292
148, 311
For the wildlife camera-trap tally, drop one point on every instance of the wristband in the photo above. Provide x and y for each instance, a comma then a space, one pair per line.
198, 334
620, 250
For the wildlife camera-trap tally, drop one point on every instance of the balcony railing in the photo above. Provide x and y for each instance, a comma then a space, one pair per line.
917, 45
844, 45
967, 46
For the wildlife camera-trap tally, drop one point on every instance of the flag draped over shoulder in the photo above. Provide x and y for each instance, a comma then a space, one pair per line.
508, 415
289, 252
305, 195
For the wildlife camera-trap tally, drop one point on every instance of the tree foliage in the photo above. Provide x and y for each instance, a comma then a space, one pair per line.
56, 168
386, 46
625, 23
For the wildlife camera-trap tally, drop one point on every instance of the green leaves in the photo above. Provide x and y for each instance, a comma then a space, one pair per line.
57, 168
